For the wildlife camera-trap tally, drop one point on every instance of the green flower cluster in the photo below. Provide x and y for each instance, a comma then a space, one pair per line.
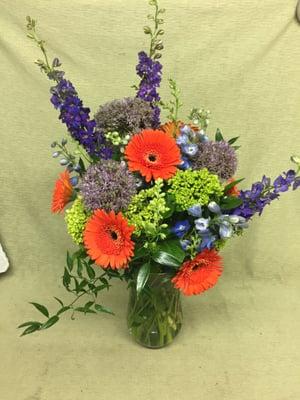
146, 211
116, 138
76, 218
194, 187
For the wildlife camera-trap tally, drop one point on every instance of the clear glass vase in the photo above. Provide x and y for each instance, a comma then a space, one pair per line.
154, 315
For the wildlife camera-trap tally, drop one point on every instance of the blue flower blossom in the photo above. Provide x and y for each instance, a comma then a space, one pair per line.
225, 230
207, 241
190, 149
182, 139
184, 243
214, 207
186, 130
185, 163
262, 193
195, 210
77, 119
150, 73
181, 228
202, 225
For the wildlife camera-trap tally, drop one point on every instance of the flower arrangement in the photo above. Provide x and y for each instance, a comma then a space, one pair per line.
143, 198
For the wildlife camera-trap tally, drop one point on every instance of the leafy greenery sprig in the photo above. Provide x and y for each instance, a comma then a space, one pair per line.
80, 279
156, 44
49, 69
174, 104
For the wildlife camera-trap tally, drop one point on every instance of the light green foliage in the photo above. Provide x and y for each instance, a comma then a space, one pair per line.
116, 138
146, 211
156, 44
194, 187
174, 104
200, 117
76, 218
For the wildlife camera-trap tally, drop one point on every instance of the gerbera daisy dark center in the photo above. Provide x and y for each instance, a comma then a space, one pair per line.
114, 235
152, 157
199, 264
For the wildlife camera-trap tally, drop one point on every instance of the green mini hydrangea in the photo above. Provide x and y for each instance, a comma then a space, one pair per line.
147, 209
76, 218
194, 187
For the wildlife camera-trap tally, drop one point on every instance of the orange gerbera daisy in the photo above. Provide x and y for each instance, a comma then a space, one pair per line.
201, 273
107, 238
234, 191
153, 154
62, 192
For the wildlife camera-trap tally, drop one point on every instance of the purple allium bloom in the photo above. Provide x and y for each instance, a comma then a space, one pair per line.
150, 73
218, 157
107, 185
262, 193
77, 119
127, 115
181, 228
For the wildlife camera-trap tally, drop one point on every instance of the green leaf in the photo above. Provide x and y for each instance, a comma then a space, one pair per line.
60, 302
169, 253
142, 277
101, 308
66, 279
90, 271
85, 310
232, 184
79, 267
31, 329
63, 309
81, 164
230, 202
236, 147
51, 321
41, 309
70, 261
233, 140
29, 323
88, 304
139, 253
219, 136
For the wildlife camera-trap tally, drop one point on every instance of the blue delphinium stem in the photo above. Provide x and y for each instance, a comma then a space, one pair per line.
65, 98
263, 192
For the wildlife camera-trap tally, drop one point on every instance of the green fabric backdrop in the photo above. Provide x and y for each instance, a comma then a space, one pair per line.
241, 60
